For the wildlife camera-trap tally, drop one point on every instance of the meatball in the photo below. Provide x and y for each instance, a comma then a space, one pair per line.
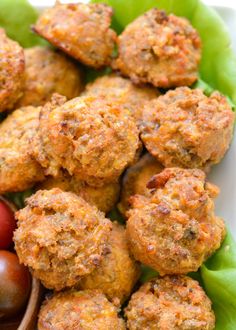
18, 169
136, 178
130, 96
79, 310
81, 30
60, 237
171, 302
185, 128
159, 49
118, 272
104, 197
96, 150
175, 229
48, 72
12, 65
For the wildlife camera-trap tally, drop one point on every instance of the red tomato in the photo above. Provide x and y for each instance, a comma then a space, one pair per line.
7, 225
15, 283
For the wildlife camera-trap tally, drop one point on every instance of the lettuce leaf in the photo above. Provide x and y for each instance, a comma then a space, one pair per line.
218, 65
219, 279
16, 17
18, 198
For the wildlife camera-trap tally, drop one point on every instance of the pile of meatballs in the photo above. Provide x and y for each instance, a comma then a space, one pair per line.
139, 139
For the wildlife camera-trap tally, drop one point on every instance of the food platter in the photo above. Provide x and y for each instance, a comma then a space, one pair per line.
189, 242
223, 174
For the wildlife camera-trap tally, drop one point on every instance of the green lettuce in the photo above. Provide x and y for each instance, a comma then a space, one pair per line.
218, 65
218, 275
147, 273
18, 198
16, 17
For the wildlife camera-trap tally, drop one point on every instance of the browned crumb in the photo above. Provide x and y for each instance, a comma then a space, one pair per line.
12, 65
81, 30
160, 49
79, 310
174, 230
170, 303
60, 237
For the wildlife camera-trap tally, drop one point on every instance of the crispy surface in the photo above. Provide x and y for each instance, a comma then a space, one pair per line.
185, 128
60, 237
104, 197
170, 303
12, 65
79, 310
136, 178
118, 272
47, 72
131, 97
159, 49
18, 169
175, 229
97, 150
81, 30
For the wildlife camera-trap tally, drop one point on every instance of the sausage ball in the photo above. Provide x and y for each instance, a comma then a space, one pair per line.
18, 169
131, 97
104, 197
118, 272
136, 178
79, 310
48, 72
97, 150
175, 229
60, 237
171, 302
185, 128
81, 30
159, 49
12, 65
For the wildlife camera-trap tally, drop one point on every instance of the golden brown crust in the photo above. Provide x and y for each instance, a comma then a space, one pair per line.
47, 72
136, 178
170, 303
60, 237
81, 30
118, 272
159, 49
97, 150
79, 310
130, 96
12, 65
18, 169
175, 230
104, 197
187, 129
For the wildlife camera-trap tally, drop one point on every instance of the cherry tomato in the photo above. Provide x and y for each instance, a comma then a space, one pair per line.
15, 283
7, 225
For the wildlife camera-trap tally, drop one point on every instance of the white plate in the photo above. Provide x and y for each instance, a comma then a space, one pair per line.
224, 174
